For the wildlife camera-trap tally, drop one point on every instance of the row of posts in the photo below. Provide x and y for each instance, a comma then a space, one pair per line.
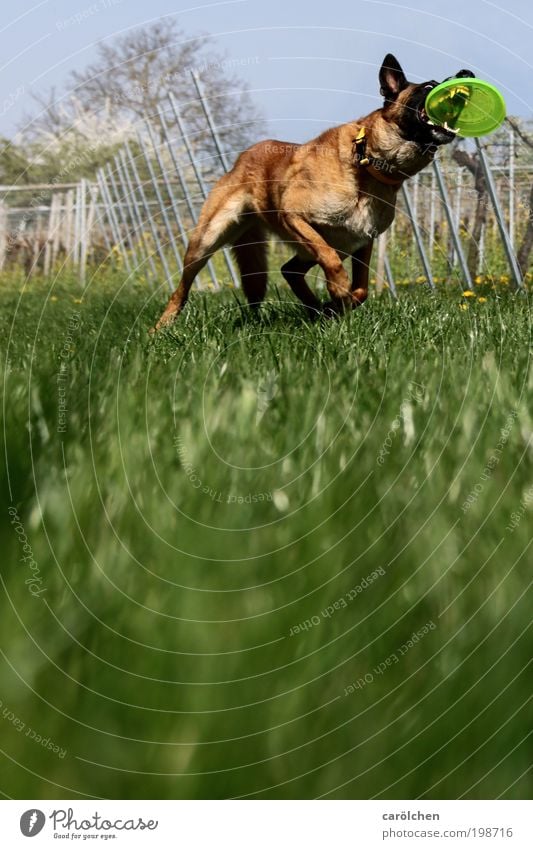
128, 209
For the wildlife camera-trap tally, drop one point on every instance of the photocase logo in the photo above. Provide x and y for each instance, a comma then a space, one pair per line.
32, 822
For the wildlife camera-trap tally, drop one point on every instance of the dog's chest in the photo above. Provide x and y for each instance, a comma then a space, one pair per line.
354, 223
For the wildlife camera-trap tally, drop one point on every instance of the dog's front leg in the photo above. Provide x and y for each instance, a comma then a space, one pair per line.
360, 273
327, 258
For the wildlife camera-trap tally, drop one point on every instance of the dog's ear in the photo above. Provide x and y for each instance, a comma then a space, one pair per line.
391, 78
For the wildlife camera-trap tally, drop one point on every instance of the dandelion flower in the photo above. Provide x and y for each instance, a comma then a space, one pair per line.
468, 293
482, 300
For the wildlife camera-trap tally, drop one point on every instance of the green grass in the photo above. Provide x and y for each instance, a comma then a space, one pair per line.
221, 484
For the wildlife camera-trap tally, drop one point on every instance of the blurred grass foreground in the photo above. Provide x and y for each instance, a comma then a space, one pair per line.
265, 558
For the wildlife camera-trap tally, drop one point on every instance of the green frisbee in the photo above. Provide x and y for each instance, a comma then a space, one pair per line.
466, 105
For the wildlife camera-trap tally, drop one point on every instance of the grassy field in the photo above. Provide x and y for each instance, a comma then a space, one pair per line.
265, 558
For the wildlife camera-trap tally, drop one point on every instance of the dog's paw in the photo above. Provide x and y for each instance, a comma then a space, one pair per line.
313, 313
330, 310
336, 308
168, 317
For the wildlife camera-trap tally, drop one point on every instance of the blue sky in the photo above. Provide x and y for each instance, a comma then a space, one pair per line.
309, 64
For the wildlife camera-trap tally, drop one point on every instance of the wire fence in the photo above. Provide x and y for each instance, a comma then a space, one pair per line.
139, 210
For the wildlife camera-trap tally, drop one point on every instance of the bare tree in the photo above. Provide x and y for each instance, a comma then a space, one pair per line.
134, 74
472, 163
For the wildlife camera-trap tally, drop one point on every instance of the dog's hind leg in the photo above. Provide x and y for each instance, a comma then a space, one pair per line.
219, 224
250, 251
294, 272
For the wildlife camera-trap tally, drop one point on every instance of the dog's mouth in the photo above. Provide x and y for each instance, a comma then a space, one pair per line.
437, 129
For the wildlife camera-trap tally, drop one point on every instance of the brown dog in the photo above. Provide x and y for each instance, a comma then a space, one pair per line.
329, 198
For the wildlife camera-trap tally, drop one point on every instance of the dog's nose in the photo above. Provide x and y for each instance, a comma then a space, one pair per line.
462, 73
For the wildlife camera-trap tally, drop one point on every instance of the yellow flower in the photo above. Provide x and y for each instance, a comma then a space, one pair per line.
482, 300
463, 306
53, 298
468, 293
478, 279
